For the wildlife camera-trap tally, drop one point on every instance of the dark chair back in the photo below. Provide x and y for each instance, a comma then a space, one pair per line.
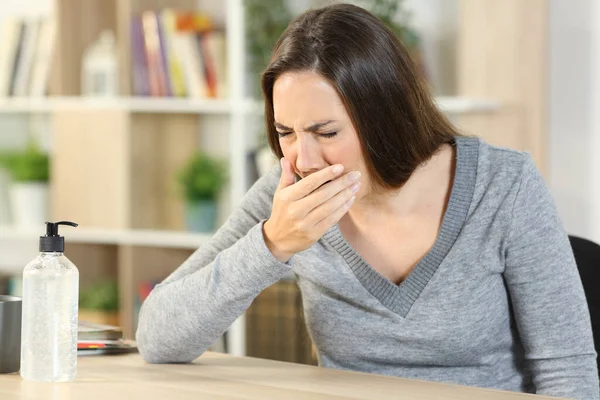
587, 257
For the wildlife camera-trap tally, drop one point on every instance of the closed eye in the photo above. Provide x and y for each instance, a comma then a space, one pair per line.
323, 135
327, 135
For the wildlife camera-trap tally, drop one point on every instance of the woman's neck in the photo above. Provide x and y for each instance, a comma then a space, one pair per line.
429, 183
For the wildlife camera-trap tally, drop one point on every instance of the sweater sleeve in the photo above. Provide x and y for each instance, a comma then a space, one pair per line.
197, 303
548, 300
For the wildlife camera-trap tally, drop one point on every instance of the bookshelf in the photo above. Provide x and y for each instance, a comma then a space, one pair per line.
131, 218
129, 149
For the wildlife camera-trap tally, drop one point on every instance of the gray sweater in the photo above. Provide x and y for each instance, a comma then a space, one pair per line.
497, 302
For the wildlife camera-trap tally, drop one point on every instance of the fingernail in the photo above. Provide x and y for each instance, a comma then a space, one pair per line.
337, 169
354, 176
349, 202
355, 187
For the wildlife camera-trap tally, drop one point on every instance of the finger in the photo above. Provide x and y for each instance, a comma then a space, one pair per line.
326, 223
329, 207
312, 182
287, 174
330, 189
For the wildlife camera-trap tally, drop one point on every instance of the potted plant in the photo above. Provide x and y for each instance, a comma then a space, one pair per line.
99, 303
202, 178
28, 171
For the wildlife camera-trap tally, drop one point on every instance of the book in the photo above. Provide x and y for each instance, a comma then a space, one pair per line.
105, 348
156, 72
139, 61
17, 58
210, 71
163, 56
177, 53
26, 52
22, 78
91, 331
98, 339
215, 50
10, 32
40, 73
185, 45
167, 29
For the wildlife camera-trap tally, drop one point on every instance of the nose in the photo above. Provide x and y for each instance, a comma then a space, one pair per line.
308, 158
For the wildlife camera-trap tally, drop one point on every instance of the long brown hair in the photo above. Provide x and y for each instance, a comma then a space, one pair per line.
387, 98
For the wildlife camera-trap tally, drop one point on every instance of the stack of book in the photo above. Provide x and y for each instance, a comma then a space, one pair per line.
101, 339
26, 52
179, 54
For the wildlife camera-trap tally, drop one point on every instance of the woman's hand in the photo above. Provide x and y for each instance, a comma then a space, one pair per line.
304, 211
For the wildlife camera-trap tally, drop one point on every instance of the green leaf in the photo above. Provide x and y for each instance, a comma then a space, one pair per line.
102, 296
29, 165
202, 177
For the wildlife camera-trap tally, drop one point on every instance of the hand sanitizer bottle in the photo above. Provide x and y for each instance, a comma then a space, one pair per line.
50, 305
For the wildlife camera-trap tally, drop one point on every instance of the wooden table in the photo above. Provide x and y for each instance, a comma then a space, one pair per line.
218, 376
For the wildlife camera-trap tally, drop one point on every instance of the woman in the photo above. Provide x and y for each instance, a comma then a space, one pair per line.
419, 252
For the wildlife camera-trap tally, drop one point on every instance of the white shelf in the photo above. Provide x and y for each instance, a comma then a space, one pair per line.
463, 105
148, 238
450, 105
133, 104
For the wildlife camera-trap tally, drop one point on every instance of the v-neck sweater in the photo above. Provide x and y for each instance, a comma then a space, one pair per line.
497, 302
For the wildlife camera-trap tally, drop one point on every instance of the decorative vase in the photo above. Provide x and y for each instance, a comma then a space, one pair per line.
201, 216
29, 203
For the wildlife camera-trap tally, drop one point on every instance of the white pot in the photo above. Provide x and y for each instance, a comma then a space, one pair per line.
4, 202
29, 204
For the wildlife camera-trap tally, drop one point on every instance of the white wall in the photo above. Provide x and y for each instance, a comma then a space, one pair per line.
574, 105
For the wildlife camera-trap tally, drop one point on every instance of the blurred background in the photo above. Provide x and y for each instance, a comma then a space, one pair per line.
141, 120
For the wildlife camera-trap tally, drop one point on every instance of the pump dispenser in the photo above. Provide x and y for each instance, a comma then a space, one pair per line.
49, 316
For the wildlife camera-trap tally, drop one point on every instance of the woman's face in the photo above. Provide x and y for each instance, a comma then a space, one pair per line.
315, 130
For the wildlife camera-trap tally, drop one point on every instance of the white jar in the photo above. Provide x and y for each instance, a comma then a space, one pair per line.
100, 69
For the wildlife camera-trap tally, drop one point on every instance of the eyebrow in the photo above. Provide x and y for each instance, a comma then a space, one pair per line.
312, 128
